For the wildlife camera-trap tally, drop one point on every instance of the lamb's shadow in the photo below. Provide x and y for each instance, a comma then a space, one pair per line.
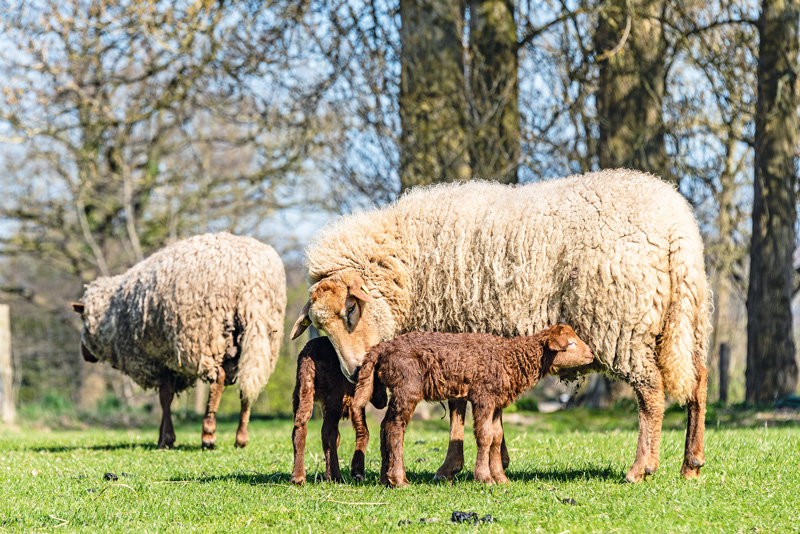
534, 475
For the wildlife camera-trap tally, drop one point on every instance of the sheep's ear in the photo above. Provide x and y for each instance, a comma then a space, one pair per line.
302, 322
359, 290
78, 307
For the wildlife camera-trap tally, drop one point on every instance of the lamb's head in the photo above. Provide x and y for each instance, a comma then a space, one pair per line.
92, 309
341, 305
564, 349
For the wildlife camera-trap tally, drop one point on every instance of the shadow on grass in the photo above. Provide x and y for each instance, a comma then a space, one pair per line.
111, 447
414, 477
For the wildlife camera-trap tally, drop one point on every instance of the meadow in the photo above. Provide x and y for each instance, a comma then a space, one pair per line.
566, 475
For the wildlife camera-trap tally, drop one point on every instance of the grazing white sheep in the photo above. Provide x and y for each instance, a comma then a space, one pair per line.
617, 254
209, 307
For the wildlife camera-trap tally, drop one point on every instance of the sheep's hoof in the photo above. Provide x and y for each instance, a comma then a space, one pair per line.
240, 444
358, 477
691, 468
634, 477
209, 444
299, 480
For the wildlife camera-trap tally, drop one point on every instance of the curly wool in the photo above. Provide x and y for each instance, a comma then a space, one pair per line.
208, 301
616, 254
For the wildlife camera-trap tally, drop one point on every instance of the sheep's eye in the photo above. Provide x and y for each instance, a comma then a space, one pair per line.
571, 344
351, 307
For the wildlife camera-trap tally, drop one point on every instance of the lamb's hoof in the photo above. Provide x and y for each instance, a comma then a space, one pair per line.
209, 444
299, 480
240, 444
357, 477
500, 480
444, 474
650, 470
505, 463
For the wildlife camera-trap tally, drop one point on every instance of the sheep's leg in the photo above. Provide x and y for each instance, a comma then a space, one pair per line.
209, 439
454, 461
651, 414
495, 455
484, 435
393, 429
358, 418
331, 413
503, 449
694, 458
166, 434
244, 418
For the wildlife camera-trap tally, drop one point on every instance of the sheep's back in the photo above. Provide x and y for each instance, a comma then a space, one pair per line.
590, 251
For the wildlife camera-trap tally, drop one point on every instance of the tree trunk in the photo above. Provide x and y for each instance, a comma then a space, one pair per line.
771, 362
6, 366
434, 145
630, 48
494, 93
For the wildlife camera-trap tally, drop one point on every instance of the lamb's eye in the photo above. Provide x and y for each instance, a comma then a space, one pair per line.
571, 344
351, 307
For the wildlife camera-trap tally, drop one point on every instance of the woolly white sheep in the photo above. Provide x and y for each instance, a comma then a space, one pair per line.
617, 254
209, 307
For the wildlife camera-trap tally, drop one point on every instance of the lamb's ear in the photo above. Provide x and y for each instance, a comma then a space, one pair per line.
557, 343
302, 322
78, 307
359, 290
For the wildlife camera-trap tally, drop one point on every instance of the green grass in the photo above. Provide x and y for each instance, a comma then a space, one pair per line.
52, 481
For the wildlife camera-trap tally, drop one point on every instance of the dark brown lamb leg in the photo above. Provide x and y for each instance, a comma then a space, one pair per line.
209, 439
331, 414
496, 466
484, 435
694, 458
454, 461
166, 434
393, 430
358, 418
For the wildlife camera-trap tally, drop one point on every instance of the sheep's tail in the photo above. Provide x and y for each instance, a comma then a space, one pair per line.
366, 380
258, 354
682, 346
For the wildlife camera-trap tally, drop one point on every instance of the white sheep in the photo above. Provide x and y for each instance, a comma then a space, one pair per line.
209, 307
617, 254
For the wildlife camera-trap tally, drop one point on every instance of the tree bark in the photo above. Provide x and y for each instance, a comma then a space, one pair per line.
494, 93
434, 144
771, 361
630, 48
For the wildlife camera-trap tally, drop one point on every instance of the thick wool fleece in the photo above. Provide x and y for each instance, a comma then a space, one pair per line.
208, 301
617, 254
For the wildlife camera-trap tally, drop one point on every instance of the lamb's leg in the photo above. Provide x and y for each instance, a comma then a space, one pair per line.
331, 413
484, 434
166, 434
694, 458
301, 417
358, 418
393, 429
210, 419
244, 418
495, 455
651, 413
454, 461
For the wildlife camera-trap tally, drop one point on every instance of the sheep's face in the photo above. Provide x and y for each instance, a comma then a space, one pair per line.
343, 308
92, 310
567, 349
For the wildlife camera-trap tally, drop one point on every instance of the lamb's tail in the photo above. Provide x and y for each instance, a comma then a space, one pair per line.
303, 396
683, 342
257, 356
366, 380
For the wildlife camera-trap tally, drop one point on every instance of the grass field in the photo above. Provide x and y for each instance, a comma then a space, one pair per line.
53, 481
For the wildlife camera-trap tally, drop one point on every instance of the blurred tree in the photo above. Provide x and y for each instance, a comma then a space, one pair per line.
771, 358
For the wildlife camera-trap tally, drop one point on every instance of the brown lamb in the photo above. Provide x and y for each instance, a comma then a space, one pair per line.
320, 379
487, 370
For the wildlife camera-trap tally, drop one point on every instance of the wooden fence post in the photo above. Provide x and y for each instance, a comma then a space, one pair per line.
724, 362
6, 366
